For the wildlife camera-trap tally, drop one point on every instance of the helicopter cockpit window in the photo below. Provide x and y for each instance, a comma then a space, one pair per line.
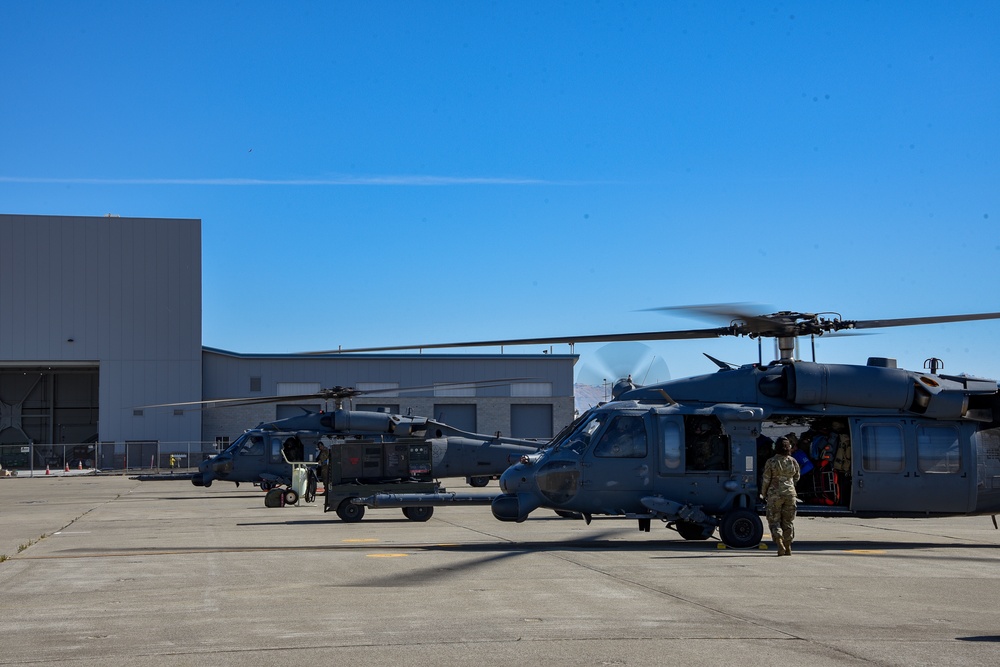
579, 439
625, 438
882, 448
937, 449
276, 451
254, 446
237, 444
706, 446
670, 432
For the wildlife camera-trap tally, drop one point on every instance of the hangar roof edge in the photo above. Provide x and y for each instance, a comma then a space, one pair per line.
387, 355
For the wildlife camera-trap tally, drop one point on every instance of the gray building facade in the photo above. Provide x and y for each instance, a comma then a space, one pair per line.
98, 316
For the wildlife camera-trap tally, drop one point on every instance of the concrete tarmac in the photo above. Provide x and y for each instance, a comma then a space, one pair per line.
109, 570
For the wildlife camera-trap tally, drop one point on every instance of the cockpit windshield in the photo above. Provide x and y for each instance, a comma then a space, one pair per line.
579, 439
567, 429
248, 444
237, 444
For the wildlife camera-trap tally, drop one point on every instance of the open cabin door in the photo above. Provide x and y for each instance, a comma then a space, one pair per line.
912, 466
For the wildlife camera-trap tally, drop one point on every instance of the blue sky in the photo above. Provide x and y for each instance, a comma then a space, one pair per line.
386, 173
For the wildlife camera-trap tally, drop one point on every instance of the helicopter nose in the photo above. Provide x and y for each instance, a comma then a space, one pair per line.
519, 497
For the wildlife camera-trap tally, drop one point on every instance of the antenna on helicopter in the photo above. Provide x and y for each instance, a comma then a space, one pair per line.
933, 364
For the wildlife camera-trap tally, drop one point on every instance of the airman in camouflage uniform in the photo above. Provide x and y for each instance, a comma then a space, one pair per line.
781, 472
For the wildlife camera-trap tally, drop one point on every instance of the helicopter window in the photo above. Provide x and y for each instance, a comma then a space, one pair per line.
254, 446
937, 449
706, 446
671, 434
625, 438
882, 448
276, 450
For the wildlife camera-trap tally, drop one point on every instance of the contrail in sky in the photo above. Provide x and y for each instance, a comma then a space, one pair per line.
334, 180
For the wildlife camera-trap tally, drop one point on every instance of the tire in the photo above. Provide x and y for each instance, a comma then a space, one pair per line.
693, 531
479, 482
291, 497
418, 513
266, 486
741, 529
349, 512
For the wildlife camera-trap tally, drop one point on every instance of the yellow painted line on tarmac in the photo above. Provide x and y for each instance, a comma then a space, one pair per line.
866, 551
388, 555
359, 540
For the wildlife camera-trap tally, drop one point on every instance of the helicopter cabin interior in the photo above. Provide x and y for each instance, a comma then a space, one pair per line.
855, 464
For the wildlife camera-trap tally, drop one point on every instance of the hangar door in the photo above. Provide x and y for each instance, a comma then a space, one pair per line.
48, 406
531, 421
458, 415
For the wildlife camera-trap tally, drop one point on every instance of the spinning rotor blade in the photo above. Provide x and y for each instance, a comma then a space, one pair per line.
617, 361
747, 313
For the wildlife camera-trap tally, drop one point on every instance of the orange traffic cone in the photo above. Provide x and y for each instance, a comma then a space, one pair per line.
79, 465
47, 469
66, 469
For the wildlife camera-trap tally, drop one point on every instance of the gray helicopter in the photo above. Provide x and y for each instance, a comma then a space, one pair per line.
366, 452
872, 440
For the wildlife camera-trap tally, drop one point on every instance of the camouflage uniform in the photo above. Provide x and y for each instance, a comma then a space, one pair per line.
780, 475
323, 458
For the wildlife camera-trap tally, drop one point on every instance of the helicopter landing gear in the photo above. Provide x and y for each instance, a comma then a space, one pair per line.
351, 513
478, 482
741, 529
694, 531
418, 513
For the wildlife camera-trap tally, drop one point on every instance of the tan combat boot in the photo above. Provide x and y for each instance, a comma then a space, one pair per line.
788, 547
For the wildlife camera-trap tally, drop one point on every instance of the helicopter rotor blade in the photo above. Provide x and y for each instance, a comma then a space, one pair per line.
781, 324
911, 321
555, 340
334, 393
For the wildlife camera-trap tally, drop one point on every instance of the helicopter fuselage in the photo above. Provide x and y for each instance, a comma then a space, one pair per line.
877, 441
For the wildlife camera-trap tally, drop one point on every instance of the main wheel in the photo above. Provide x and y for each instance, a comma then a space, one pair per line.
418, 513
741, 529
291, 496
693, 531
479, 482
349, 512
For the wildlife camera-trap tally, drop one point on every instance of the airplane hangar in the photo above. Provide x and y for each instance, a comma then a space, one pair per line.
101, 316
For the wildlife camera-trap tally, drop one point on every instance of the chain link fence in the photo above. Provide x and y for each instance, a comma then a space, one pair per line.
113, 457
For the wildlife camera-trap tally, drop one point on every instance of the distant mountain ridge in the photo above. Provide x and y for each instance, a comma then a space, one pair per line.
587, 396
